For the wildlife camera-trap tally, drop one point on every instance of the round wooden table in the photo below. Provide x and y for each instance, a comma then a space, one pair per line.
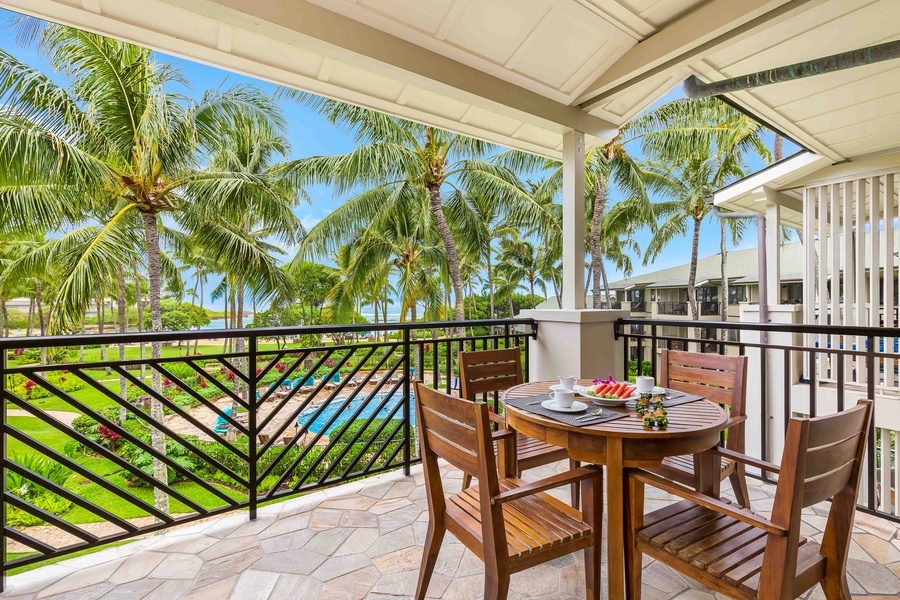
694, 428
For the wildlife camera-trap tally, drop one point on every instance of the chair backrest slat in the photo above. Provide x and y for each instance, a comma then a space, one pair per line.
448, 428
488, 371
719, 379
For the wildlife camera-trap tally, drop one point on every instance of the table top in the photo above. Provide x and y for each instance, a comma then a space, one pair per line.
685, 420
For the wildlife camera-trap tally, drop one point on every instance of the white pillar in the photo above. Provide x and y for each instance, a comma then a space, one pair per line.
773, 253
573, 221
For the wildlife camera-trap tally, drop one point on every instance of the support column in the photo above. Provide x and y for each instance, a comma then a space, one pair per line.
573, 221
773, 251
576, 342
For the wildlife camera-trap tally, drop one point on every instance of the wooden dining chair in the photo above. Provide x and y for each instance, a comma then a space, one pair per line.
509, 524
720, 379
743, 555
489, 371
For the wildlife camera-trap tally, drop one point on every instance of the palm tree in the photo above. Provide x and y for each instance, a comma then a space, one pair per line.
118, 138
395, 154
519, 262
703, 144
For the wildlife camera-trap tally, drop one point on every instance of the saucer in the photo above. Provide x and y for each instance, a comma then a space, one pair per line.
576, 406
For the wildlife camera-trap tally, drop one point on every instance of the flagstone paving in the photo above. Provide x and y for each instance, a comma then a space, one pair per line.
363, 540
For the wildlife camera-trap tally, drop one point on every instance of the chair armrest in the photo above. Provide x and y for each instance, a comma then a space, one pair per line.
542, 485
503, 434
497, 418
747, 460
732, 421
707, 501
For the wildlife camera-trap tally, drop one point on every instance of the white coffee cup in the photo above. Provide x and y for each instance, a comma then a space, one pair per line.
562, 397
567, 381
645, 384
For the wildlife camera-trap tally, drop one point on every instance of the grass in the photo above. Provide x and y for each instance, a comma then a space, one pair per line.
111, 472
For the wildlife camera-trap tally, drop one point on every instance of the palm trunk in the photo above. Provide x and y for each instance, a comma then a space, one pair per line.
596, 242
692, 274
30, 317
227, 322
38, 284
139, 300
243, 363
490, 276
5, 315
778, 147
605, 284
197, 340
531, 289
101, 329
187, 349
158, 439
81, 347
587, 285
434, 194
123, 326
556, 291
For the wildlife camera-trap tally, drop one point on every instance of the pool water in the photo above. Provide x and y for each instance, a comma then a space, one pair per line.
317, 424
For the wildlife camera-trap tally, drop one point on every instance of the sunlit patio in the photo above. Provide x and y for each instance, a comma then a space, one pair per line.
364, 540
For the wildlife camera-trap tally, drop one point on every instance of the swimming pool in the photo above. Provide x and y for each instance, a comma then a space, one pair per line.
317, 424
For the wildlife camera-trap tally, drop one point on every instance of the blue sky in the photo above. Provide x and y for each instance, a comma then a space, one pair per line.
310, 134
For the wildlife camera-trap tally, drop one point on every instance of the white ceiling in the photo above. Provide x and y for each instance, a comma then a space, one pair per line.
523, 72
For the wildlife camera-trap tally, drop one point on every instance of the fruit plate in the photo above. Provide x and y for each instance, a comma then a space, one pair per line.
587, 392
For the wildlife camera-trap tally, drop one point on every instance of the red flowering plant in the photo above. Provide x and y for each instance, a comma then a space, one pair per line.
329, 363
28, 386
258, 371
167, 382
281, 367
108, 436
203, 383
18, 351
231, 375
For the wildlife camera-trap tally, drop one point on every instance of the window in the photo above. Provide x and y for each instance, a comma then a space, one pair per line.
708, 294
737, 294
793, 293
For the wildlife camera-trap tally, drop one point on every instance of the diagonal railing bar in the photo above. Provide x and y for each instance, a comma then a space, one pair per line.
178, 439
131, 363
375, 435
98, 449
303, 430
237, 372
384, 445
204, 401
284, 376
40, 513
371, 418
272, 415
355, 392
335, 440
27, 540
282, 380
70, 496
218, 384
296, 412
112, 425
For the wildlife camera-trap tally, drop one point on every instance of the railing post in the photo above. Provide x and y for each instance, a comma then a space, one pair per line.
3, 469
870, 394
407, 437
253, 492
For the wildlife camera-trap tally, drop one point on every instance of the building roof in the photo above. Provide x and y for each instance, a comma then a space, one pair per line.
741, 264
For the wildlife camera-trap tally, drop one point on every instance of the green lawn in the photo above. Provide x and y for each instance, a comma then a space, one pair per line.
112, 473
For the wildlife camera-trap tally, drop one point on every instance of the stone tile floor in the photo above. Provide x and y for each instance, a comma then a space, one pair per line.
363, 540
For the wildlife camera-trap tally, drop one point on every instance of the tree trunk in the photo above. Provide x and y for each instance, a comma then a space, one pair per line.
81, 347
101, 329
531, 290
587, 286
227, 322
778, 147
4, 315
197, 340
158, 439
605, 284
30, 317
692, 278
187, 349
596, 243
123, 327
490, 276
139, 300
440, 221
243, 363
38, 284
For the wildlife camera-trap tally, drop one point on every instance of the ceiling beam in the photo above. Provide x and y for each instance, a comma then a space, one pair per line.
345, 39
713, 25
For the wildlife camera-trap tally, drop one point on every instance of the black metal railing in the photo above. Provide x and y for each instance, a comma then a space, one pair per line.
707, 309
212, 432
806, 370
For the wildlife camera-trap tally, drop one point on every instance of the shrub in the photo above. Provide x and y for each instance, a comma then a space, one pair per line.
85, 425
63, 380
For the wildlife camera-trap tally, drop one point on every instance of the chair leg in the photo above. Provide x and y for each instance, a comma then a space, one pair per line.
592, 501
433, 540
467, 481
496, 585
738, 480
576, 496
634, 520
